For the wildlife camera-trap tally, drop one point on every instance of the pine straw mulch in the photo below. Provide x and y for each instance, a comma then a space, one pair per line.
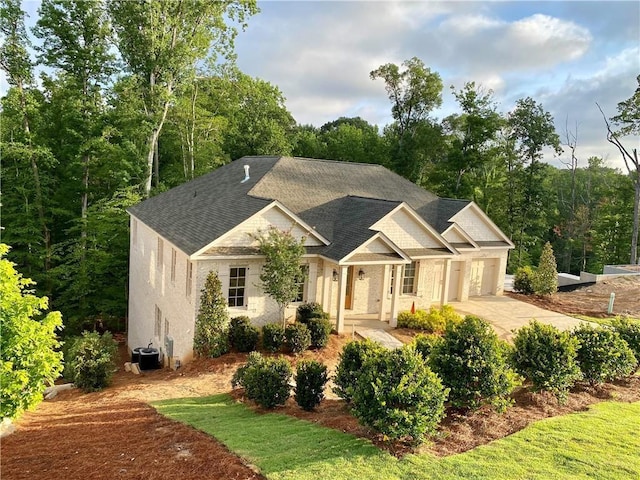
461, 431
115, 433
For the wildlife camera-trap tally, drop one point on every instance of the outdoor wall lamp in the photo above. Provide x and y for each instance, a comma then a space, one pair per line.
335, 275
361, 274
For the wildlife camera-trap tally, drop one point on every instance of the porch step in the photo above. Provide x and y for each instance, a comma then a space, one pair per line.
380, 336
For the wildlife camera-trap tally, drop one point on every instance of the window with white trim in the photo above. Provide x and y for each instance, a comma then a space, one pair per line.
189, 278
410, 278
237, 286
301, 282
160, 252
173, 264
158, 322
134, 230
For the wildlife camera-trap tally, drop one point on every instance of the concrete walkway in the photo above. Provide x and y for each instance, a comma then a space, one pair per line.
380, 336
507, 314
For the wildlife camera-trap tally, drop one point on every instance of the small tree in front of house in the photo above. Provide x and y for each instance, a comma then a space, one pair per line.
545, 280
281, 271
211, 336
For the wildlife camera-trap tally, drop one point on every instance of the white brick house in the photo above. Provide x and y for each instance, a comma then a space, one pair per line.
375, 243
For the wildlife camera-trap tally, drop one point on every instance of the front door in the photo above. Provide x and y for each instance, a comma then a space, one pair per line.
348, 297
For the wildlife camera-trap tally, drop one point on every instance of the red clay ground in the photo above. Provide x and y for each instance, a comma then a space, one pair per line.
594, 299
116, 434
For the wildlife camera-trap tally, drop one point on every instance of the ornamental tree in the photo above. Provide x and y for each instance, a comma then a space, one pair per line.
211, 336
281, 272
545, 280
29, 356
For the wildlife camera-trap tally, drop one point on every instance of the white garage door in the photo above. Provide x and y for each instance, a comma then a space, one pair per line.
483, 277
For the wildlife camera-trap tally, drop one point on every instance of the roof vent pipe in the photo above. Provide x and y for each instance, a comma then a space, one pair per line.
246, 174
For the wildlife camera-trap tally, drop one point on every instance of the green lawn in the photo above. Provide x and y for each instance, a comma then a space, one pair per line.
601, 443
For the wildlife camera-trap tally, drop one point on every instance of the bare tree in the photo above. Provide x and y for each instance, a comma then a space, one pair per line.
633, 167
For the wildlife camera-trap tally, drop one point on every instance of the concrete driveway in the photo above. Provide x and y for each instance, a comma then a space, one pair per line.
506, 314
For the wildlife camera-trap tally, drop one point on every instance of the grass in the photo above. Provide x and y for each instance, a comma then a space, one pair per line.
603, 321
601, 442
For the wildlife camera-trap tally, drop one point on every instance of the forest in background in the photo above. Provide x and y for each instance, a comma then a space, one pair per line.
138, 97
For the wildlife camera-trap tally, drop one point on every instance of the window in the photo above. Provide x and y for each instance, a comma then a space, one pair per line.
160, 251
134, 230
189, 277
301, 282
173, 264
166, 327
392, 277
158, 323
237, 283
410, 278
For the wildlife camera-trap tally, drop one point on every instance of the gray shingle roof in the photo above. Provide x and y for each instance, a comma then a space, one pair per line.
341, 200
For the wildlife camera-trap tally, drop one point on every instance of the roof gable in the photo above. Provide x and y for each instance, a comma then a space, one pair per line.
273, 215
477, 225
409, 230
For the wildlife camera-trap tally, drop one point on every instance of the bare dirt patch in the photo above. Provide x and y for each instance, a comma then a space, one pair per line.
116, 434
593, 300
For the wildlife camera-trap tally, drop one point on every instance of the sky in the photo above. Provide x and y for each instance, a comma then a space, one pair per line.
566, 55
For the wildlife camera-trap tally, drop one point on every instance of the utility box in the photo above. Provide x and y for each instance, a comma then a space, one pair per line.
168, 346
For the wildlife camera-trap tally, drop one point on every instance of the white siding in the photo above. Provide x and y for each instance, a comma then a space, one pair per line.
406, 232
475, 225
377, 246
259, 307
150, 284
454, 236
241, 236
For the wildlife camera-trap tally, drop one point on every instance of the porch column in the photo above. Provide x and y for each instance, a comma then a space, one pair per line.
500, 274
327, 278
342, 294
465, 273
447, 276
395, 300
383, 294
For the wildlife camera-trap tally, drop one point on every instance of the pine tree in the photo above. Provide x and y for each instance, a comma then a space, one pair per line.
211, 337
545, 281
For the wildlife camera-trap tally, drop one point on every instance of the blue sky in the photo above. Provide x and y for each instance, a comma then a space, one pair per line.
567, 55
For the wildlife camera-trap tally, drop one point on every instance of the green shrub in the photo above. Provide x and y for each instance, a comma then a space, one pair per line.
311, 377
523, 280
320, 329
629, 330
350, 362
298, 337
603, 354
435, 320
243, 336
547, 357
307, 311
272, 337
399, 396
424, 344
91, 360
472, 362
545, 280
265, 380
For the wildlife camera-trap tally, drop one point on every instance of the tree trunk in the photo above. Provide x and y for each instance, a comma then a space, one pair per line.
636, 215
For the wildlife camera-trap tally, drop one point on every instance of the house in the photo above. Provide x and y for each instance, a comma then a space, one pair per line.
375, 243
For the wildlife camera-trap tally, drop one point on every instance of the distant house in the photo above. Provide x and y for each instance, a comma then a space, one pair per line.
375, 243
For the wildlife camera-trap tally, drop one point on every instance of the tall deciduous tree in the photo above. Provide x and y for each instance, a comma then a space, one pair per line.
281, 271
531, 130
628, 120
17, 64
29, 356
414, 92
472, 139
162, 42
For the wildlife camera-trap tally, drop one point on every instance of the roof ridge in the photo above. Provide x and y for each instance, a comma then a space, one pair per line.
375, 198
329, 160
